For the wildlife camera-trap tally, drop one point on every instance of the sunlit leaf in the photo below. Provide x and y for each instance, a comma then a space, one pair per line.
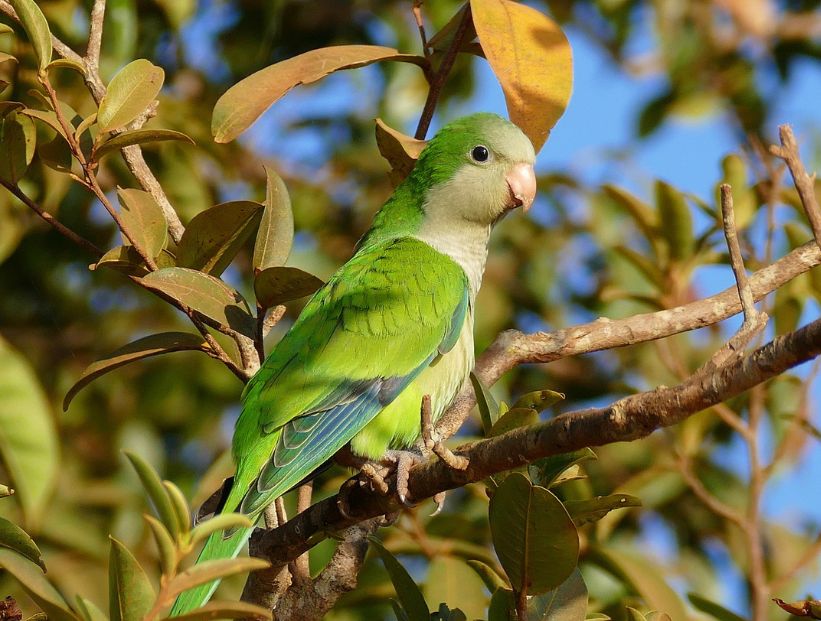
567, 602
676, 220
532, 60
165, 545
130, 594
546, 471
225, 610
89, 610
156, 492
717, 611
451, 581
137, 136
5, 29
276, 230
411, 598
153, 345
534, 537
744, 198
538, 400
28, 440
205, 294
488, 408
37, 30
145, 220
400, 150
277, 285
594, 509
67, 63
512, 419
48, 117
222, 521
214, 236
35, 583
488, 575
124, 259
130, 92
244, 102
15, 538
17, 142
180, 505
209, 571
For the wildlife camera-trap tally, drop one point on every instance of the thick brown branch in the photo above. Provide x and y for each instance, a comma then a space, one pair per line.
628, 419
95, 35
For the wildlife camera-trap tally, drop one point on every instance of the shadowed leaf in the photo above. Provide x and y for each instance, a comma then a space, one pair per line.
634, 615
222, 521
56, 154
137, 136
153, 345
713, 609
28, 440
34, 582
538, 400
488, 408
89, 610
502, 606
413, 603
182, 511
488, 575
567, 602
124, 259
7, 57
37, 30
17, 141
130, 92
165, 545
512, 419
533, 535
277, 285
156, 492
205, 294
276, 230
48, 117
450, 580
594, 509
676, 220
130, 594
214, 236
67, 63
144, 219
226, 610
547, 470
208, 571
244, 102
532, 60
400, 150
15, 538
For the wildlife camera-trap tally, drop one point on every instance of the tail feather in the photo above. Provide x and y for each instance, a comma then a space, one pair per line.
216, 547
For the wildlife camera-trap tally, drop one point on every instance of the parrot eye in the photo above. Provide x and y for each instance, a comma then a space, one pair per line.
480, 153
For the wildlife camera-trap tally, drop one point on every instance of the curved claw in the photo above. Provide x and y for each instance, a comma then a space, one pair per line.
439, 499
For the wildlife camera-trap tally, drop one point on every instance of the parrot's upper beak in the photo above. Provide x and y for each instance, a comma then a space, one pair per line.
522, 183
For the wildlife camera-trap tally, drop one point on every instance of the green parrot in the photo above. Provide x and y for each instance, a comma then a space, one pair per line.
393, 324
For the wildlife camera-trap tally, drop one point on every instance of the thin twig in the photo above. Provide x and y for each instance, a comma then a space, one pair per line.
54, 222
420, 25
95, 35
705, 496
759, 590
804, 183
441, 75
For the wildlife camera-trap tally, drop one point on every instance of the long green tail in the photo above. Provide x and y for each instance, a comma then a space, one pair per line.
216, 547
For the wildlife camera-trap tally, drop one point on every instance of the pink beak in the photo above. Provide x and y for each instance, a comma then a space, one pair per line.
522, 183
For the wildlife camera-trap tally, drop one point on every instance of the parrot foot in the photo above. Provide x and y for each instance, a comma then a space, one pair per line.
432, 443
439, 499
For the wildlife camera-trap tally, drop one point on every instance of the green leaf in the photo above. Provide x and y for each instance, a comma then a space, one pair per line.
6, 29
225, 610
538, 400
648, 267
488, 408
214, 236
34, 582
744, 198
67, 63
130, 92
137, 136
36, 27
643, 215
488, 575
446, 614
130, 594
512, 419
153, 345
48, 117
28, 440
407, 591
123, 259
221, 521
676, 221
156, 492
502, 606
567, 602
450, 580
15, 538
165, 545
534, 537
205, 294
56, 154
181, 509
713, 609
87, 122
5, 491
145, 220
634, 615
17, 141
276, 231
89, 610
547, 470
216, 569
244, 102
277, 285
594, 509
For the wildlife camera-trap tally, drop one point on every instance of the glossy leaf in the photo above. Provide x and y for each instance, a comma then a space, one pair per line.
36, 585
208, 571
451, 581
145, 220
87, 122
89, 610
67, 63
538, 400
17, 142
205, 294
244, 102
153, 345
123, 259
276, 230
547, 470
532, 60
488, 408
130, 594
222, 521
225, 610
37, 30
567, 602
594, 509
15, 538
411, 598
137, 136
676, 220
717, 611
277, 285
165, 545
399, 150
214, 236
156, 493
130, 92
28, 440
534, 537
513, 419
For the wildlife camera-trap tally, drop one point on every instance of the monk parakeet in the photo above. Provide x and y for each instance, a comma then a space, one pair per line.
393, 324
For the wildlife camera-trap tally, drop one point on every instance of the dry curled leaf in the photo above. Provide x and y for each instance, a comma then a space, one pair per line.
400, 150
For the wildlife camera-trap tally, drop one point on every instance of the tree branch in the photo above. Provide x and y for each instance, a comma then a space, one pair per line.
95, 35
804, 183
628, 419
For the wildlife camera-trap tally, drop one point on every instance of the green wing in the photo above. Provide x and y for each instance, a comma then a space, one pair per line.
359, 342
